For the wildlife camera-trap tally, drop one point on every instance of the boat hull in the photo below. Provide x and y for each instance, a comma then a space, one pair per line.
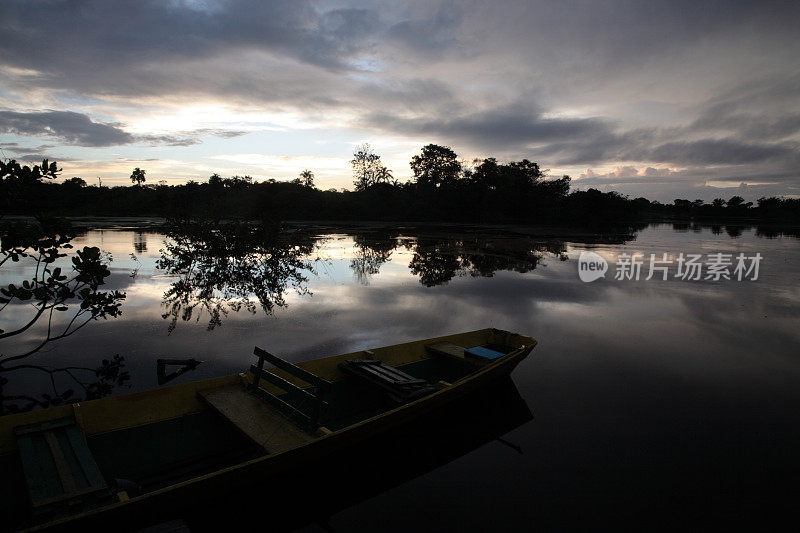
164, 504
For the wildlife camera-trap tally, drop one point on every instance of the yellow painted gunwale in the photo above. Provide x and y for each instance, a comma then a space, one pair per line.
146, 407
130, 410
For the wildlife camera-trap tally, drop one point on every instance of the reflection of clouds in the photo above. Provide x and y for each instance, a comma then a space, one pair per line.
697, 331
119, 242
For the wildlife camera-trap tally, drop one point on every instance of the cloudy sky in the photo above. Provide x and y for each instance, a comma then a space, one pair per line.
658, 99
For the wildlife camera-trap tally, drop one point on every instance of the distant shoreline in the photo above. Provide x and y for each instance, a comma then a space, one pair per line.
544, 231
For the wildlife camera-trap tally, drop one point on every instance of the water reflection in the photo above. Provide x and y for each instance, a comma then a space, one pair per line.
65, 385
372, 250
183, 366
438, 260
439, 257
736, 229
380, 463
638, 387
220, 266
46, 297
773, 232
140, 242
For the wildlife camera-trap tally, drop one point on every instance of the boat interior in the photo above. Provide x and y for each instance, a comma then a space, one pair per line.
72, 458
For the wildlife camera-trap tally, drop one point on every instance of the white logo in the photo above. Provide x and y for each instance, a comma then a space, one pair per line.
636, 266
591, 266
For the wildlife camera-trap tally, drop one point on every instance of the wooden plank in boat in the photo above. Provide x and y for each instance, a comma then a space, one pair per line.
57, 462
264, 424
451, 350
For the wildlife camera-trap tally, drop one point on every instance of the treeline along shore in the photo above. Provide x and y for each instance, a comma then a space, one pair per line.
442, 189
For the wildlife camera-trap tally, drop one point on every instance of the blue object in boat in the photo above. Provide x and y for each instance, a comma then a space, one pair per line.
483, 353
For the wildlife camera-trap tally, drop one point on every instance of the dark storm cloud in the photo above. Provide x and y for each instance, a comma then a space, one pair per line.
37, 157
520, 125
430, 35
67, 126
77, 129
139, 41
637, 146
718, 151
31, 154
187, 138
615, 36
586, 140
16, 148
775, 99
748, 125
225, 134
488, 77
137, 37
180, 47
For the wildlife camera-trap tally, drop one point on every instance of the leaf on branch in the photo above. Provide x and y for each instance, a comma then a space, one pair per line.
40, 293
23, 294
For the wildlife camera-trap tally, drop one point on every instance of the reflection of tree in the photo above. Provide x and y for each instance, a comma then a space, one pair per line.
770, 232
373, 251
61, 303
438, 260
93, 383
221, 266
435, 262
140, 242
680, 226
54, 302
734, 231
51, 290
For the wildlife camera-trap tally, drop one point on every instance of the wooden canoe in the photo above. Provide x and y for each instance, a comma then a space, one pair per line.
107, 462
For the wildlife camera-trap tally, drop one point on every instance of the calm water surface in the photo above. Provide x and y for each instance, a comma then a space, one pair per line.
647, 395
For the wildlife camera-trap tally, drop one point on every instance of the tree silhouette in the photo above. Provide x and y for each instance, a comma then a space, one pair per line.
384, 175
75, 182
65, 300
366, 165
137, 176
215, 181
490, 191
735, 201
738, 203
18, 184
307, 178
435, 166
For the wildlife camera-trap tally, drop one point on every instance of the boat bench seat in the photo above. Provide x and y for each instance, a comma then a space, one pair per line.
262, 423
452, 351
59, 468
400, 386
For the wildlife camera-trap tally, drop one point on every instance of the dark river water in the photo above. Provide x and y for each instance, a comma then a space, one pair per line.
649, 397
